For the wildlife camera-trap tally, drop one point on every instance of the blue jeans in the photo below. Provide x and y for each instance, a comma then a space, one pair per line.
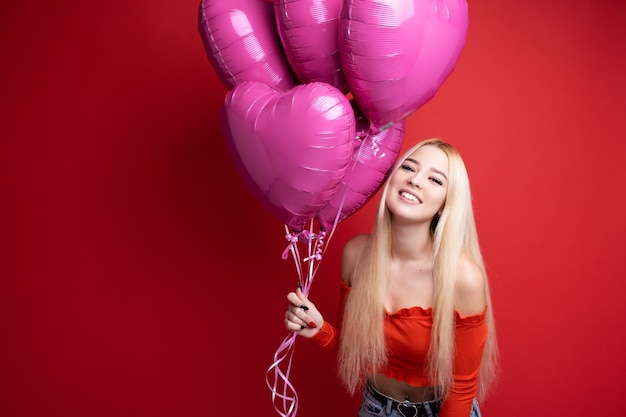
371, 407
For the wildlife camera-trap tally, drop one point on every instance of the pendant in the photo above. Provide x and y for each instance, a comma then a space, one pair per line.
407, 409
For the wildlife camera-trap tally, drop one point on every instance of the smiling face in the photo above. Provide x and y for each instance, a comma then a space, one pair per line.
417, 190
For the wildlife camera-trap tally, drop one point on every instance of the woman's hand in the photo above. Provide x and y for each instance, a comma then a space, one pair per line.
302, 316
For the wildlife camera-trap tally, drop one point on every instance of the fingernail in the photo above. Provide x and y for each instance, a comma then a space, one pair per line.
312, 324
305, 308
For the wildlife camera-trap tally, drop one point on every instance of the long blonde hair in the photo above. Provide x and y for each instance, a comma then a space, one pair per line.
362, 347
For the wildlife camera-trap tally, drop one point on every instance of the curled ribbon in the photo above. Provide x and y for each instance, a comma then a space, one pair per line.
284, 396
319, 244
285, 393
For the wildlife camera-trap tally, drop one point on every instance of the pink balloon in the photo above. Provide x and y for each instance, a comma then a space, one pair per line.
242, 44
396, 54
374, 155
309, 32
291, 148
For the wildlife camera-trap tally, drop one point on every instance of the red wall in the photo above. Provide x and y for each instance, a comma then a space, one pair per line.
138, 277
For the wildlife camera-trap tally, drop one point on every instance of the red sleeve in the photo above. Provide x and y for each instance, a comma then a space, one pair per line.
328, 336
470, 336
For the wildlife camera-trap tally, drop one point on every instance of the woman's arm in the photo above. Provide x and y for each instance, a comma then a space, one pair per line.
470, 297
303, 317
470, 336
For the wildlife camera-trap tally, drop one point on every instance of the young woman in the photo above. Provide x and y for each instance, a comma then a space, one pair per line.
416, 325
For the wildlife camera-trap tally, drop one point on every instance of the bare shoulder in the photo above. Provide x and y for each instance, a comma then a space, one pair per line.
351, 251
470, 286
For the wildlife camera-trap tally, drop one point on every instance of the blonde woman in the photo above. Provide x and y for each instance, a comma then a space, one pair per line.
416, 328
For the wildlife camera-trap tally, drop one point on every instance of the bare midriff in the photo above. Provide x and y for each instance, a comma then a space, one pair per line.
400, 390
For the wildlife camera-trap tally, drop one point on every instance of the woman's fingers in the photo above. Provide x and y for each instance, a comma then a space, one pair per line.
295, 299
301, 313
306, 304
299, 317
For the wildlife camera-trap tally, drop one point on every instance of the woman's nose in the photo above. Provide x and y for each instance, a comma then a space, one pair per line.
415, 180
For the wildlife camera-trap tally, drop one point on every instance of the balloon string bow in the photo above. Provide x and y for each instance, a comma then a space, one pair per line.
293, 240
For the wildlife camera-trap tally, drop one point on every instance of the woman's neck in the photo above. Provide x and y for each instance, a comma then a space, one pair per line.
411, 242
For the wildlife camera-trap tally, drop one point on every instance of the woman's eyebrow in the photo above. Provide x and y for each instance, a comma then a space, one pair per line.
440, 173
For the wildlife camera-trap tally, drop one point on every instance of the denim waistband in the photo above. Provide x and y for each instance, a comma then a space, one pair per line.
404, 408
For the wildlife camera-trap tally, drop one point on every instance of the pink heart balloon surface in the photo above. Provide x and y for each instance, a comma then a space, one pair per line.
309, 32
374, 155
396, 54
242, 44
291, 148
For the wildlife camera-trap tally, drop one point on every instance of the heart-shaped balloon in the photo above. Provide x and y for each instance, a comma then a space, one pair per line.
242, 43
291, 148
396, 54
374, 155
309, 32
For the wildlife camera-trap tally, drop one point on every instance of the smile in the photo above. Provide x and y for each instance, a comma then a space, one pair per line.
410, 197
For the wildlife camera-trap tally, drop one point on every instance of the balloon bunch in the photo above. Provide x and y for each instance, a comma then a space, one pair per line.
305, 149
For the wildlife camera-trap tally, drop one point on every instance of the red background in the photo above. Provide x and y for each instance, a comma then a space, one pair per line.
139, 277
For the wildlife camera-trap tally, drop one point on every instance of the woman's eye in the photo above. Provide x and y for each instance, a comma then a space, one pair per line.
407, 167
436, 181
